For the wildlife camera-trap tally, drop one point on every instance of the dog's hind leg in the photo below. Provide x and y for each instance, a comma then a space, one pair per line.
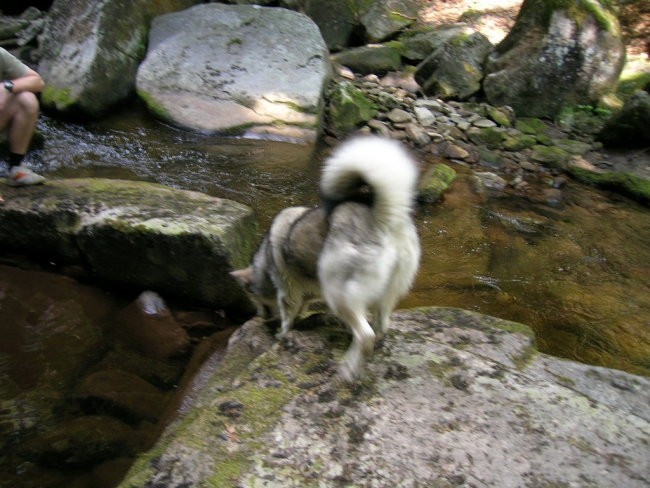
290, 308
363, 343
381, 317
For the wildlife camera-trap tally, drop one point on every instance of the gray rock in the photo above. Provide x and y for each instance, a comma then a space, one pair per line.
386, 17
89, 61
373, 58
455, 69
143, 235
555, 57
229, 68
336, 20
450, 396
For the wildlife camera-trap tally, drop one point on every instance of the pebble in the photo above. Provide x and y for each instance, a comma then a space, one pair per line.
397, 116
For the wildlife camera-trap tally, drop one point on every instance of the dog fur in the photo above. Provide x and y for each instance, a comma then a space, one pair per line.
359, 251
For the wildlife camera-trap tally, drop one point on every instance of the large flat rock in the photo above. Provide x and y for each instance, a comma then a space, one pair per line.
141, 235
452, 398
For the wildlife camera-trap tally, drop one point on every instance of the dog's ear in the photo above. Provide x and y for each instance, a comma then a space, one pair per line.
243, 276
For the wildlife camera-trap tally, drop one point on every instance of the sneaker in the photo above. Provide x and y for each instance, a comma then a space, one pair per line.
22, 176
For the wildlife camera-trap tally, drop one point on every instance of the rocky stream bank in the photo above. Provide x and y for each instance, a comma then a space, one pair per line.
452, 398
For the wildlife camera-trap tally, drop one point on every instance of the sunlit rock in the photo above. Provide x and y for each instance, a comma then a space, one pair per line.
236, 68
89, 58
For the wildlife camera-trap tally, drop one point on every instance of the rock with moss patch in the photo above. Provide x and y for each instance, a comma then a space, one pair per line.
435, 182
455, 69
135, 234
444, 381
349, 108
629, 184
552, 156
557, 54
88, 60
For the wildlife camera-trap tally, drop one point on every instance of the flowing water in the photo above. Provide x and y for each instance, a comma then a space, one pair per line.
576, 270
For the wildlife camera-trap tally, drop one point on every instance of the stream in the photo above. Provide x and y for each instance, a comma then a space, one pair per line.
576, 270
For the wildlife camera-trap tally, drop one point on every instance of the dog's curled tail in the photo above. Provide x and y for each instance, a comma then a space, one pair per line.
382, 164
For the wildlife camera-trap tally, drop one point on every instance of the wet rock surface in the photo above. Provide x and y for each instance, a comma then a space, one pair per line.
78, 401
451, 398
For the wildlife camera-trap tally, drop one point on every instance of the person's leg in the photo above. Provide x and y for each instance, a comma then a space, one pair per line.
24, 116
20, 117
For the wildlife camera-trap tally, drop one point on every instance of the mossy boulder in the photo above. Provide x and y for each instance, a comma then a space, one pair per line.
532, 126
435, 182
373, 58
135, 234
518, 142
634, 186
443, 381
349, 108
558, 54
491, 137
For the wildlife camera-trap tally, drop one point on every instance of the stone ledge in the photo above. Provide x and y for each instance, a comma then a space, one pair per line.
135, 234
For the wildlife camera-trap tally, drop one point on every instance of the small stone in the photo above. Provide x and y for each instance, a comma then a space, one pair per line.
434, 105
424, 116
454, 151
484, 123
528, 166
491, 181
397, 116
344, 72
463, 125
417, 134
379, 127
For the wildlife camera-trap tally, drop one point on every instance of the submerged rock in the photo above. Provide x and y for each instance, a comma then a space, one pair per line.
450, 396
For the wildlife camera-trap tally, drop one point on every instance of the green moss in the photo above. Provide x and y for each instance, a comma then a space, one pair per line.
60, 99
492, 137
629, 84
531, 125
435, 182
552, 156
578, 10
156, 108
519, 143
628, 184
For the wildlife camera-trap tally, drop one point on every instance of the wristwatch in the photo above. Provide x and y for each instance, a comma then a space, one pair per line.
9, 85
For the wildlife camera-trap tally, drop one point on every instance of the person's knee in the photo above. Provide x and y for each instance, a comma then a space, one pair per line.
28, 103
